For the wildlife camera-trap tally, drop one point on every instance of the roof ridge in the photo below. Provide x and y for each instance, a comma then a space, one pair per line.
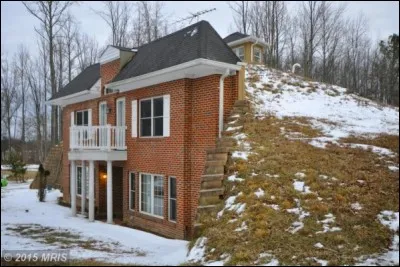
168, 35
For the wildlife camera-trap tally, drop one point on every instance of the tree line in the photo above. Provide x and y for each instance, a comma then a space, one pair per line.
330, 46
64, 51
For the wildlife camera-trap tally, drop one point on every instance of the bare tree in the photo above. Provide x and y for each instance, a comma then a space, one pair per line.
116, 15
51, 16
21, 61
10, 97
87, 51
241, 10
70, 33
36, 79
310, 25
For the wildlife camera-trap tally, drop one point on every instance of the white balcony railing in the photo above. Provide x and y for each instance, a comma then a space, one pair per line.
105, 137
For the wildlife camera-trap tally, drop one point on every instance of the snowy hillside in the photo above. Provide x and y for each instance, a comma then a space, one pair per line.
314, 180
331, 108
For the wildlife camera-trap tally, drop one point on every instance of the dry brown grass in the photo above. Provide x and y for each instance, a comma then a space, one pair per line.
267, 227
383, 140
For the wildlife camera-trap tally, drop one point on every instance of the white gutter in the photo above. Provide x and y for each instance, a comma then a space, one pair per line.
247, 39
221, 101
199, 61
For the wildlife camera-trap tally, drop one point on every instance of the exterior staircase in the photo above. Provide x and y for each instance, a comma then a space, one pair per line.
52, 163
212, 187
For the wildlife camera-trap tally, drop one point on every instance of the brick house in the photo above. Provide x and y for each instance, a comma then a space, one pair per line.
136, 127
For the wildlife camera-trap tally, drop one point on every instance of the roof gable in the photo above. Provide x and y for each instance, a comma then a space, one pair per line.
199, 40
84, 81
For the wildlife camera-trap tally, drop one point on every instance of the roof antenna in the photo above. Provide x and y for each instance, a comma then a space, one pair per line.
195, 15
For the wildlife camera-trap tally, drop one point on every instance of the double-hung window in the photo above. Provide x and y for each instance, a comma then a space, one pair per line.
152, 117
239, 51
172, 199
152, 194
82, 118
132, 190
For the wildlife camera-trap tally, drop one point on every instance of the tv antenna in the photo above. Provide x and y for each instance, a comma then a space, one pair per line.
196, 15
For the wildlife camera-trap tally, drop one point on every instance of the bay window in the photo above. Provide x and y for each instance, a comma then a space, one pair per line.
152, 194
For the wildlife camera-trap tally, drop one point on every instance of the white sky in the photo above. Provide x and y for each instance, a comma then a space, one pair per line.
17, 25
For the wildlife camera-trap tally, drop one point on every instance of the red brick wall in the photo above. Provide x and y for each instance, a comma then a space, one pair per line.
193, 128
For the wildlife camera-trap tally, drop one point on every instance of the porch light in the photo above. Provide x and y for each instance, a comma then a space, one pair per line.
104, 176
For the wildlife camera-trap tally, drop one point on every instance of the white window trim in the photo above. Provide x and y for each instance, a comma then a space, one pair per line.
254, 54
151, 118
237, 53
130, 191
152, 194
169, 198
87, 179
122, 99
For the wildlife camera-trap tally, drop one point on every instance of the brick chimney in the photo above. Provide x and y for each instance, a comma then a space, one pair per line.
112, 60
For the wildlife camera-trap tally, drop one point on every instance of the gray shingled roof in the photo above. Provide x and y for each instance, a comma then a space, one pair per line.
199, 40
235, 36
123, 48
84, 81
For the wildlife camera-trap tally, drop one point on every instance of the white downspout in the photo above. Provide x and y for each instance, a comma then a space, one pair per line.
221, 101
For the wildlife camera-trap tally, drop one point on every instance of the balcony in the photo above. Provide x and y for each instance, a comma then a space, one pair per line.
97, 142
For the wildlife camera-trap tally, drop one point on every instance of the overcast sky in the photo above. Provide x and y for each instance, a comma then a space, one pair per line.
17, 25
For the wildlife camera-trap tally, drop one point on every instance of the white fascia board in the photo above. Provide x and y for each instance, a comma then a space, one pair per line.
180, 71
81, 96
248, 39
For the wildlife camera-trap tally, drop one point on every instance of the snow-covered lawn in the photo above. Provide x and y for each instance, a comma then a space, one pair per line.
29, 224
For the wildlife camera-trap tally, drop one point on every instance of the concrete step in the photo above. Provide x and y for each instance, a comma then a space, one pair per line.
214, 169
209, 200
212, 192
211, 184
217, 150
215, 163
212, 177
217, 156
241, 103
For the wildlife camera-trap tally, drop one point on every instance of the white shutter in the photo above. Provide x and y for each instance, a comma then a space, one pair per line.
134, 118
166, 114
90, 117
72, 118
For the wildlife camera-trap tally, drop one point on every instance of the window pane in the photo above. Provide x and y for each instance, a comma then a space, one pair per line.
86, 117
79, 118
172, 212
145, 127
145, 108
79, 180
158, 195
146, 193
172, 187
158, 105
87, 182
132, 192
132, 181
158, 127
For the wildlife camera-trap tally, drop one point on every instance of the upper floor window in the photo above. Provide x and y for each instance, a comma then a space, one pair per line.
257, 55
82, 118
152, 117
239, 51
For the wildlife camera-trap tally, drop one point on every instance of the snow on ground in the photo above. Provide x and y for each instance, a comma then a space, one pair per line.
29, 167
334, 111
19, 206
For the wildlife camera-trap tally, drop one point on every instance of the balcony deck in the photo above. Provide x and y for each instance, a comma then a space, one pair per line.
97, 143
